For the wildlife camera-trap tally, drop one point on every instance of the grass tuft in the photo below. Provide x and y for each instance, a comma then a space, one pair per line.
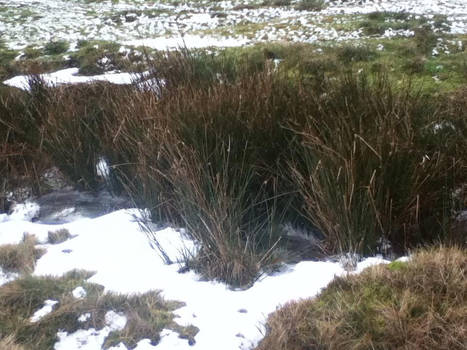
59, 236
420, 306
311, 5
360, 168
56, 47
20, 257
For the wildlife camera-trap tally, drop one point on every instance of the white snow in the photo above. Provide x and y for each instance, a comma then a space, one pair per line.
6, 277
164, 24
118, 250
91, 339
25, 211
43, 311
102, 168
188, 41
79, 292
70, 76
84, 317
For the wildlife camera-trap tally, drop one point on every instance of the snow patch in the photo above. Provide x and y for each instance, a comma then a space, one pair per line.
79, 292
84, 317
45, 310
25, 211
6, 277
91, 339
70, 76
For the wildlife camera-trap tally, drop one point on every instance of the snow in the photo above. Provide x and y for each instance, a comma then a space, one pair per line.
79, 292
43, 311
6, 277
70, 76
102, 168
84, 317
196, 23
117, 248
91, 339
25, 211
188, 41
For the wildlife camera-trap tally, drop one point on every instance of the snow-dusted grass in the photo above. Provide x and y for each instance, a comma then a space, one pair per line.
419, 304
126, 20
67, 312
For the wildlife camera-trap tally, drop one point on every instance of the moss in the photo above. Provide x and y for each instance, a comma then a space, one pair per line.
397, 265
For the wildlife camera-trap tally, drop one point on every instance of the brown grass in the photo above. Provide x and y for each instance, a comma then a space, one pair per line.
59, 236
421, 304
20, 257
369, 164
8, 343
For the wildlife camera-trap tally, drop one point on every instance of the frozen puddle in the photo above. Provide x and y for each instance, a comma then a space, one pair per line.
116, 248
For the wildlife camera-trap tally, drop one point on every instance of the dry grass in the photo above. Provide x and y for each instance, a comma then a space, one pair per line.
8, 343
20, 257
370, 163
20, 163
421, 304
59, 236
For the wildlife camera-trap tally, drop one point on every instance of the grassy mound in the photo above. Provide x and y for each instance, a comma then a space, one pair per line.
421, 304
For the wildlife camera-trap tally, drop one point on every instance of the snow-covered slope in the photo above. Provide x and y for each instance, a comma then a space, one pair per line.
197, 22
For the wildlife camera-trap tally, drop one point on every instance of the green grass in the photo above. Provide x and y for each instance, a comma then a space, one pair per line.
7, 56
56, 47
311, 5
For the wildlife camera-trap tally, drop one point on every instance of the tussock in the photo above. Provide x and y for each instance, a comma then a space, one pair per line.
20, 257
421, 304
59, 236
